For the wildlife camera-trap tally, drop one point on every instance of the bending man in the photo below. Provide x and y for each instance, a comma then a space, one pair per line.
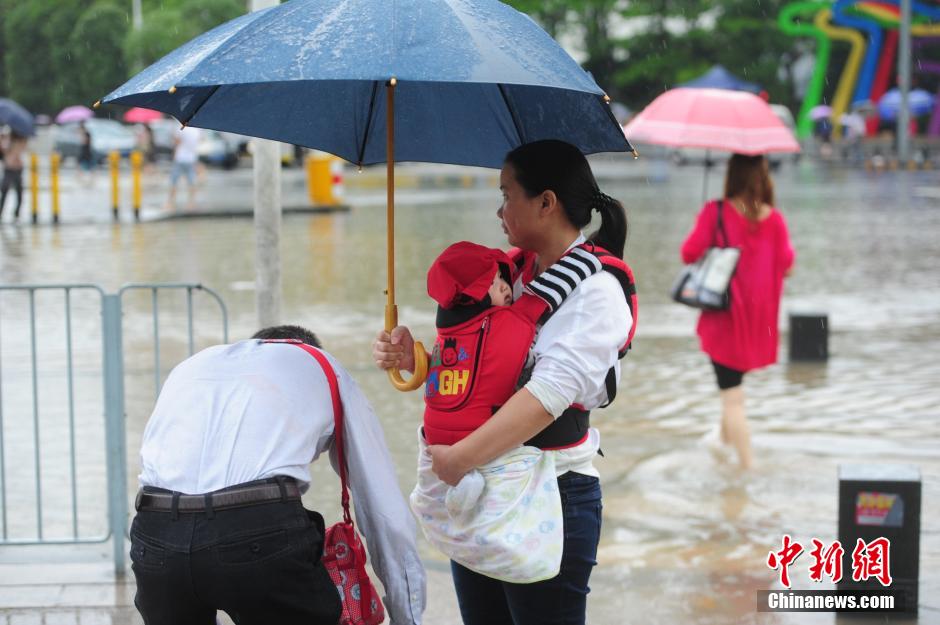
225, 455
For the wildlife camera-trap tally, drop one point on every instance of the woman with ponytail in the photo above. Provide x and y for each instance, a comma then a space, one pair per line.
549, 194
743, 337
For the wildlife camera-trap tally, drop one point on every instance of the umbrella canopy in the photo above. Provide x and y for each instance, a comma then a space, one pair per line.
76, 113
820, 111
720, 78
919, 101
16, 117
734, 121
139, 115
444, 81
474, 80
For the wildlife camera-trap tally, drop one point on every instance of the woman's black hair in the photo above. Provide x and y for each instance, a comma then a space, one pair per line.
560, 167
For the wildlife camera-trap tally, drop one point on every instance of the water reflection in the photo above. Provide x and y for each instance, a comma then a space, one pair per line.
685, 536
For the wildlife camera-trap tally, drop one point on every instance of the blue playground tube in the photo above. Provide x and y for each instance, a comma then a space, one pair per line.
866, 75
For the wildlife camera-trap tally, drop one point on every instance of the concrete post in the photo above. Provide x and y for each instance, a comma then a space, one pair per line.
266, 157
904, 83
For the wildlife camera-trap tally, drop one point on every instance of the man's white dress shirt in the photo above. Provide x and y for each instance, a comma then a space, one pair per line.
251, 410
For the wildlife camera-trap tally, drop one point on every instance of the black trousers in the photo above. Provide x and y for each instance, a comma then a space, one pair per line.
12, 179
260, 564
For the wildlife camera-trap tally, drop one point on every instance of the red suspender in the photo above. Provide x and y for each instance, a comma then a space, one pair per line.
337, 420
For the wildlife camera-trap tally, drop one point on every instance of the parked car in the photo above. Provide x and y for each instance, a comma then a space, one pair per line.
219, 148
106, 136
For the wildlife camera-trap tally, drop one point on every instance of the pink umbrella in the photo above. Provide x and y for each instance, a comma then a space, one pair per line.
138, 115
718, 119
76, 113
715, 119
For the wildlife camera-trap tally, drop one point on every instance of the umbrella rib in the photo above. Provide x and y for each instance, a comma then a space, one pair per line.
365, 135
512, 113
201, 104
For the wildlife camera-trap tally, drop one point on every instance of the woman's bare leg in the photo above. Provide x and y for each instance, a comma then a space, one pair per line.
734, 425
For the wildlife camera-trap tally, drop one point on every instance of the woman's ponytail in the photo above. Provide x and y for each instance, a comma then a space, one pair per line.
612, 234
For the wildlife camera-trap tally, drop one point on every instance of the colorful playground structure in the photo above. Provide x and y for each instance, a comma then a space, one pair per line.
870, 27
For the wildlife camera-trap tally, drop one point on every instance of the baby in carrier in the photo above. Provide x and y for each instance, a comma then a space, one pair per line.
482, 341
504, 518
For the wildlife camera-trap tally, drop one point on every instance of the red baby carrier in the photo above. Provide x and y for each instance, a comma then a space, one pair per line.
476, 363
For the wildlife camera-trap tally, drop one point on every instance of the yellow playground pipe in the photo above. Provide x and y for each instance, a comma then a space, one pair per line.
843, 97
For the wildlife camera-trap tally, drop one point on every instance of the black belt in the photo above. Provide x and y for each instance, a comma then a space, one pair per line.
248, 494
568, 429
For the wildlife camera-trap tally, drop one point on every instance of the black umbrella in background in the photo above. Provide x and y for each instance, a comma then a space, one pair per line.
16, 117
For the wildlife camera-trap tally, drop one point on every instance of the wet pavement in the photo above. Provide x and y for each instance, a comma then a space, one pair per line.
685, 536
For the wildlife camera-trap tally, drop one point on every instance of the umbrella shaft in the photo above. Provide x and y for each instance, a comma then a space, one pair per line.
391, 313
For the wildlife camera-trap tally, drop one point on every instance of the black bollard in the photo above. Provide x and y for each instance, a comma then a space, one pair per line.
875, 501
809, 337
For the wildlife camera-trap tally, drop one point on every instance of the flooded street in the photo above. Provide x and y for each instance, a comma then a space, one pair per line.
685, 536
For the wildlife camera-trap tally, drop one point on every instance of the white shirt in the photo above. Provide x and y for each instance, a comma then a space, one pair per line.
187, 150
574, 350
251, 410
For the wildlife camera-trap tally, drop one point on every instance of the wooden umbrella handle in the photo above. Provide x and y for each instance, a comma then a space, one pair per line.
391, 310
421, 358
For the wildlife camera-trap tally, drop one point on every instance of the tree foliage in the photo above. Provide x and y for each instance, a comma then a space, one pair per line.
174, 22
54, 54
98, 35
34, 33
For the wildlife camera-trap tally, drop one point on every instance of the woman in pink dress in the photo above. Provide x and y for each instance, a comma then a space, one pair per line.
743, 337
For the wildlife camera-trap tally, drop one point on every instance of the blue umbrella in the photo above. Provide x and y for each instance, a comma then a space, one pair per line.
458, 81
474, 80
720, 78
919, 101
16, 117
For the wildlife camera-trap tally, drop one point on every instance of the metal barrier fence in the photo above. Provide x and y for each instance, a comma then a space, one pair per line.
28, 447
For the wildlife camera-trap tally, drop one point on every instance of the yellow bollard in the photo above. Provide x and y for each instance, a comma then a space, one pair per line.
137, 160
54, 175
115, 159
320, 177
34, 185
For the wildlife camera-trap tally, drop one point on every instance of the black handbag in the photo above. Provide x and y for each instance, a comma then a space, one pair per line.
705, 284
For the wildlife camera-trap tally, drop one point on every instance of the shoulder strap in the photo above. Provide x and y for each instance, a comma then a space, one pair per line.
543, 295
620, 270
556, 283
331, 379
615, 266
720, 225
522, 264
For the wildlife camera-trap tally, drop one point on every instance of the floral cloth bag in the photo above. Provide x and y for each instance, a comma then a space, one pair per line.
502, 520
